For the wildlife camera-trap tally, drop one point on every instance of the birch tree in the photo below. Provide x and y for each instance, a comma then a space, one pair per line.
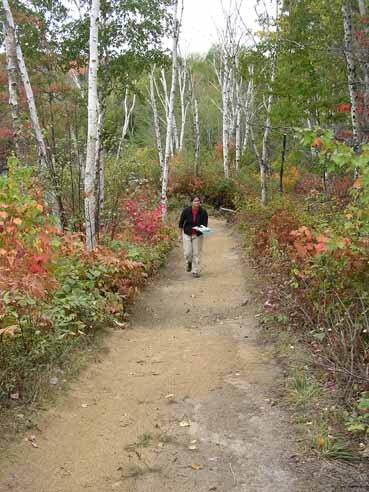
248, 107
127, 112
45, 163
347, 25
183, 82
170, 118
92, 130
238, 109
13, 88
227, 71
195, 124
155, 114
264, 161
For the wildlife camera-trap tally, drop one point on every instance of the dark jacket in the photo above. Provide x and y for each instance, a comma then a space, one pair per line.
186, 221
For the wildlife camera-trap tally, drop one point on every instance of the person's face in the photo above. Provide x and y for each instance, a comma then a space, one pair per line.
196, 202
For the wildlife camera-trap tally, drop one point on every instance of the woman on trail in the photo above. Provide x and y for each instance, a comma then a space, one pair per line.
193, 216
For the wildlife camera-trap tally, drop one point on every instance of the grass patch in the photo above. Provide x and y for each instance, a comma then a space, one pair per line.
136, 471
304, 390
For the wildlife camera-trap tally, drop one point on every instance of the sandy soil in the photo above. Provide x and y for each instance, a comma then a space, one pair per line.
185, 400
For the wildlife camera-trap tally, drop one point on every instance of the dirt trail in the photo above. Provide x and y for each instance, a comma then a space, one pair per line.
118, 429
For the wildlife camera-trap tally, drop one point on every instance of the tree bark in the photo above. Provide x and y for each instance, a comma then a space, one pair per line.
155, 118
165, 173
182, 79
197, 135
248, 108
347, 25
90, 171
281, 170
13, 87
99, 167
127, 119
238, 117
45, 162
264, 163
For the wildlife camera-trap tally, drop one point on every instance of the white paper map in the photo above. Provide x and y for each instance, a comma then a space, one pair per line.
203, 229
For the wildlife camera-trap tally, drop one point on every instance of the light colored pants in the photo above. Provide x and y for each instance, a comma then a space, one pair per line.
192, 247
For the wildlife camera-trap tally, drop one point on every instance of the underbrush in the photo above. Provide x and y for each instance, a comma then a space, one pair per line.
55, 297
320, 269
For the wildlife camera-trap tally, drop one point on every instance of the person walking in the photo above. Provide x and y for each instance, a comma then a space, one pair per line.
193, 216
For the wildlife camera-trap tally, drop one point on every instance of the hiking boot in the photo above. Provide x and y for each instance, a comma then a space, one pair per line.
189, 266
196, 275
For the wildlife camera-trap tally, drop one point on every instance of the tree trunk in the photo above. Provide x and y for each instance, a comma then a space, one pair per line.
183, 76
225, 99
45, 163
127, 119
264, 163
155, 118
249, 107
238, 119
12, 71
365, 67
90, 171
99, 167
281, 171
165, 173
347, 25
196, 127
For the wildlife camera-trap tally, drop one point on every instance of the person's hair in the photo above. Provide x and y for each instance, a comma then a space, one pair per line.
192, 197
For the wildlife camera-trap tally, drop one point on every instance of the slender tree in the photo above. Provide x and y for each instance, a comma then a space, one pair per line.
170, 117
46, 164
347, 24
156, 123
92, 130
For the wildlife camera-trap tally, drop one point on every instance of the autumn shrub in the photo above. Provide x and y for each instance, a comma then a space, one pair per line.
320, 254
54, 295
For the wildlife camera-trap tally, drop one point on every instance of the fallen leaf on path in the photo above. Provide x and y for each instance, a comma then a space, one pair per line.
185, 423
84, 405
171, 395
192, 448
120, 325
196, 467
246, 301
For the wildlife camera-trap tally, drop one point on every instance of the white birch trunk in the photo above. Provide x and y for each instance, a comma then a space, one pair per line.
238, 117
90, 170
264, 162
197, 135
12, 71
28, 88
155, 118
225, 101
165, 173
182, 80
99, 168
248, 108
45, 164
347, 25
127, 118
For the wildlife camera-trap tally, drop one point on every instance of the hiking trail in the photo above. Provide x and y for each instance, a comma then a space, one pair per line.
186, 398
